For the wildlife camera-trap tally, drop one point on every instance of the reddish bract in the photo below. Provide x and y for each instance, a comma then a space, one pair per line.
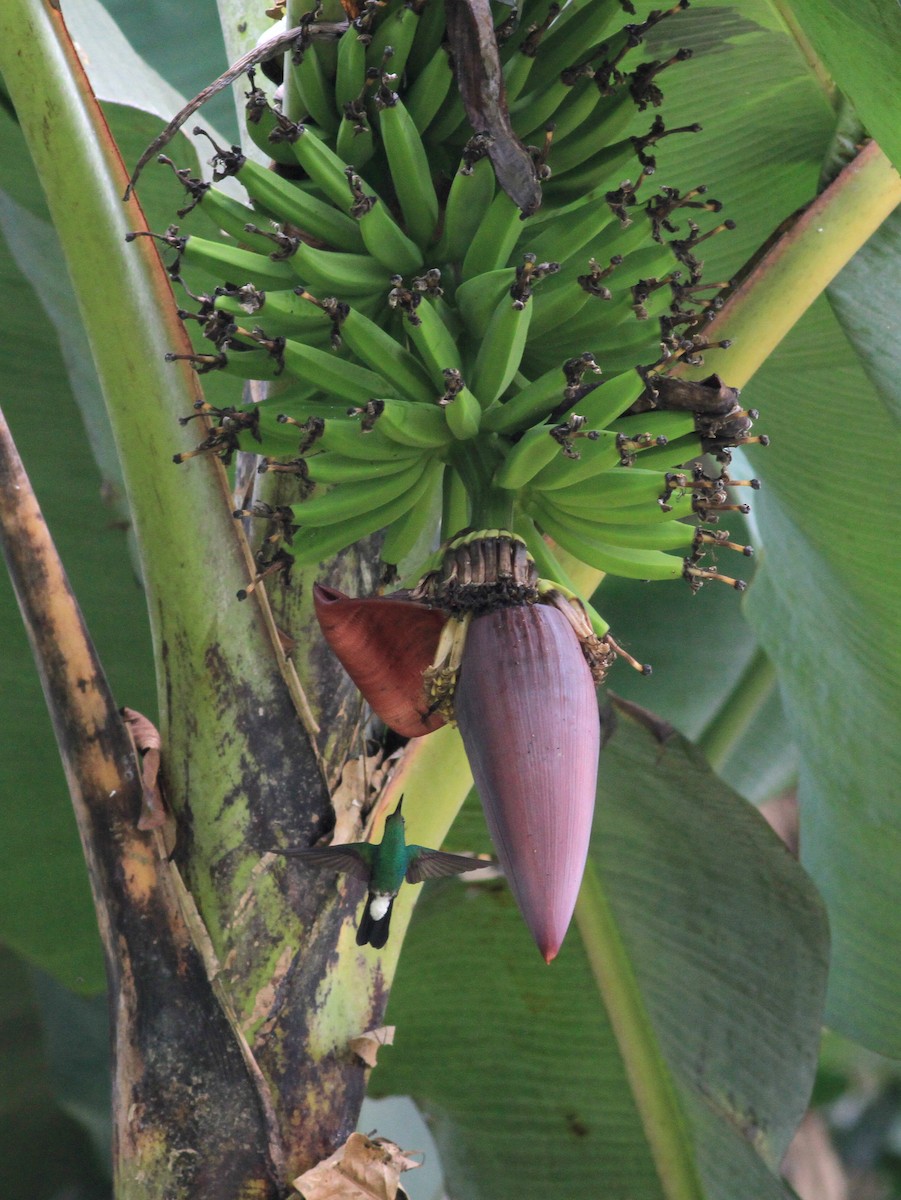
385, 645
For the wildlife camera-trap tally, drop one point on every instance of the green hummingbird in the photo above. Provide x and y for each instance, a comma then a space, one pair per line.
383, 868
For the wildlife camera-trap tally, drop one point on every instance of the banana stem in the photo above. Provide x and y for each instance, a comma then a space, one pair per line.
722, 733
799, 266
651, 1084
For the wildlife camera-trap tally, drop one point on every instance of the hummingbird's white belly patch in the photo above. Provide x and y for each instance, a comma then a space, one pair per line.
379, 905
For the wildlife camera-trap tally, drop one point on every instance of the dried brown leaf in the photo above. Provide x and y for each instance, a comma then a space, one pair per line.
359, 778
366, 1045
148, 743
362, 1169
480, 77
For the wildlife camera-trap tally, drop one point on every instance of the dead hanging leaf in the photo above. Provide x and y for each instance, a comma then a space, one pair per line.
359, 778
148, 743
480, 78
366, 1045
362, 1169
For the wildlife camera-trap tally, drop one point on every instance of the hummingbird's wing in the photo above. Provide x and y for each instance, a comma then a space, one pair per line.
432, 864
351, 858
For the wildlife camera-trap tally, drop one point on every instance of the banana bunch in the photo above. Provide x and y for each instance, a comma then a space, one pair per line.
428, 347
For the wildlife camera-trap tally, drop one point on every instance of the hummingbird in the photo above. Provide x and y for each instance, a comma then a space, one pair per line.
383, 868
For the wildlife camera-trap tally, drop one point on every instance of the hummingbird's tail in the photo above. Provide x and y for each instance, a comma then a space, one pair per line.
373, 930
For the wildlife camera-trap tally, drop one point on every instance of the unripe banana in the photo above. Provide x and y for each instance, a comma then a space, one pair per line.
429, 90
456, 510
463, 413
287, 202
380, 351
494, 239
277, 312
411, 171
349, 439
535, 449
470, 196
355, 143
330, 467
384, 238
615, 486
477, 298
315, 91
333, 374
331, 272
531, 403
346, 500
416, 529
419, 425
501, 350
350, 71
397, 30
315, 545
227, 263
578, 539
324, 167
431, 337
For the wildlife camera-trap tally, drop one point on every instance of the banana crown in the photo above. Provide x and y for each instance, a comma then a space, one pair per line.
459, 325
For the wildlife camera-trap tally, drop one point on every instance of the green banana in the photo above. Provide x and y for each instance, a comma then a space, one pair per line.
286, 202
535, 449
471, 193
456, 510
531, 403
315, 90
610, 399
501, 349
226, 262
330, 467
317, 544
383, 237
396, 32
333, 374
347, 437
431, 337
429, 90
612, 559
355, 143
266, 127
477, 298
578, 29
420, 425
589, 140
463, 413
493, 241
346, 500
596, 454
331, 272
430, 33
411, 171
350, 68
612, 486
380, 351
324, 167
416, 529
562, 238
279, 312
664, 535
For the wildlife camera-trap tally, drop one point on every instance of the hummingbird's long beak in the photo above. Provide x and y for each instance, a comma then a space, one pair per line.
396, 812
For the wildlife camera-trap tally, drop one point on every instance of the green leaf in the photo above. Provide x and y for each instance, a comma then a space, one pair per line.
858, 42
866, 297
825, 606
716, 947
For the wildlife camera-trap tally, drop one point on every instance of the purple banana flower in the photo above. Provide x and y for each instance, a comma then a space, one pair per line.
526, 706
514, 664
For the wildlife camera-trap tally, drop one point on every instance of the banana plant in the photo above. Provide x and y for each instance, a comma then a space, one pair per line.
436, 366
